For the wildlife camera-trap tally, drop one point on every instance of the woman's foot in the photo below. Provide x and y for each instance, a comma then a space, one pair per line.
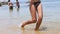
22, 25
35, 29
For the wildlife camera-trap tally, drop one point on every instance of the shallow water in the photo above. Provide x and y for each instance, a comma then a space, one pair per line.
11, 19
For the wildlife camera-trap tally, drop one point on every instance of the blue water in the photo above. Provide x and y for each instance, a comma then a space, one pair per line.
51, 10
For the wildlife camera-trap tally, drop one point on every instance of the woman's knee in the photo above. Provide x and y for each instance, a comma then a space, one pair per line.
40, 17
34, 20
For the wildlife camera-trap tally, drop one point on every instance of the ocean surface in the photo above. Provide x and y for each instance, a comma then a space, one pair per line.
51, 9
11, 19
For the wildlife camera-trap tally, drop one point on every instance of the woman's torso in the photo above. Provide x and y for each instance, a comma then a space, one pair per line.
10, 4
34, 0
17, 3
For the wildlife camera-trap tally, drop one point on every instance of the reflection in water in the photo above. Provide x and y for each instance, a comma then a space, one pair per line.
17, 9
11, 11
10, 15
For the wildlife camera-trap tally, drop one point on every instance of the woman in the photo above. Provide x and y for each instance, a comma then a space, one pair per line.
35, 6
10, 4
17, 4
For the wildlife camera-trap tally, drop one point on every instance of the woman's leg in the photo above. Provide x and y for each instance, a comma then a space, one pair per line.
33, 14
40, 16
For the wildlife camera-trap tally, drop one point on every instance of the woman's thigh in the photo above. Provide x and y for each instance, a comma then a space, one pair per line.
33, 11
40, 11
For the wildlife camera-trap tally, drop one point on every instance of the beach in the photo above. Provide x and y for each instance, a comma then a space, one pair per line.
11, 19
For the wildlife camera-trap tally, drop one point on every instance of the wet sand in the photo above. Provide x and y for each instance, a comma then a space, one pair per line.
10, 26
